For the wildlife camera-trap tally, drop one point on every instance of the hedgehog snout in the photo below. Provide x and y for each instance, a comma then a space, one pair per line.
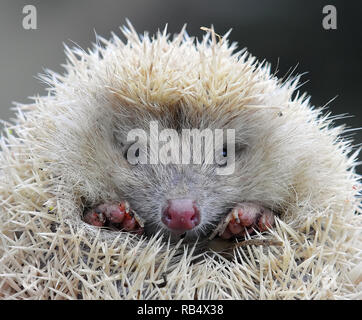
181, 215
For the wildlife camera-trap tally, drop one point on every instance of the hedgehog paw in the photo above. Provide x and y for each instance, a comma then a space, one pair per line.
116, 216
243, 220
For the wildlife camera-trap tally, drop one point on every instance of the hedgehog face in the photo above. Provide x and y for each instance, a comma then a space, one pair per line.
158, 191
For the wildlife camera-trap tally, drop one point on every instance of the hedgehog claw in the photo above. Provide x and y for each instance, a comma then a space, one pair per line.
244, 219
138, 219
116, 216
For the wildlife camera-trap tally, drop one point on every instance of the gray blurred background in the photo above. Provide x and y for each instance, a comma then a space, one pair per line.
287, 31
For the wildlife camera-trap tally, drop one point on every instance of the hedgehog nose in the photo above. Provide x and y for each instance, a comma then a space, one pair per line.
181, 215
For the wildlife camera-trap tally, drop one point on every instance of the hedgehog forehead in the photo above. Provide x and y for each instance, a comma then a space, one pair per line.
178, 117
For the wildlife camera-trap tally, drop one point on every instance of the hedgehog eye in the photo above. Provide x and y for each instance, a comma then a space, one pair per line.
136, 153
127, 155
131, 154
222, 158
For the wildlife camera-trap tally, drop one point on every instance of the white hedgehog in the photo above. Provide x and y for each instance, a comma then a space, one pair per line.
71, 200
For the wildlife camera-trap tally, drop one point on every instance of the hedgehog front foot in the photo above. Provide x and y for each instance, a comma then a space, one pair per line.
243, 220
117, 216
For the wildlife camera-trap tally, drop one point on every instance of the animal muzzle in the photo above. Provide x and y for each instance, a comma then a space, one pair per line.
181, 215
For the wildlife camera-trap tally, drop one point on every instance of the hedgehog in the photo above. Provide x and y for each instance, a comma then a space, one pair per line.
92, 210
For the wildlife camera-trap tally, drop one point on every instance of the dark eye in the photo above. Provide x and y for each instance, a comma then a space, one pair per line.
222, 158
135, 154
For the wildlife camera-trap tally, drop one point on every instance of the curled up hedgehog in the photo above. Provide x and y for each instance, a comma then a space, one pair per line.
88, 213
